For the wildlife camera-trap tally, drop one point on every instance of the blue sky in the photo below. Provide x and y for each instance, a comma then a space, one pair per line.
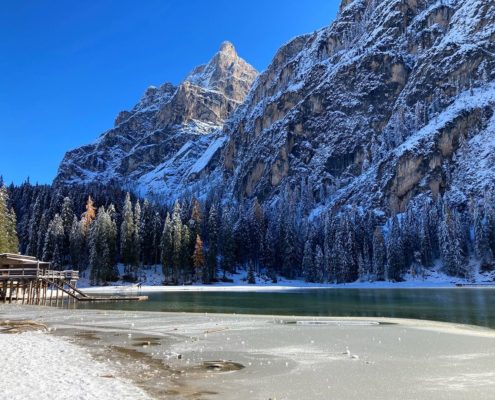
67, 67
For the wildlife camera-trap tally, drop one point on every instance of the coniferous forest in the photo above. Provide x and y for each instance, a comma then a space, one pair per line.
93, 228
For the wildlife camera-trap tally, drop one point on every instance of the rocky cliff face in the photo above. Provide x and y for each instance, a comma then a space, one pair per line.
393, 100
156, 146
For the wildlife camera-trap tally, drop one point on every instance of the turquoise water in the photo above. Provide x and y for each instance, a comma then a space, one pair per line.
466, 306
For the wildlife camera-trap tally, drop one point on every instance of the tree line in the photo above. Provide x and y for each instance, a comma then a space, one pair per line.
96, 227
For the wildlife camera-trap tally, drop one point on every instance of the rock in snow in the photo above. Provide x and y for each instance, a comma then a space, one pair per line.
392, 100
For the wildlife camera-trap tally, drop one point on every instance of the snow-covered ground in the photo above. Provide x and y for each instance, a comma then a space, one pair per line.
40, 366
151, 280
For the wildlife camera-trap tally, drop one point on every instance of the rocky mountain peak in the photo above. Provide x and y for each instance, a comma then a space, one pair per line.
228, 49
225, 72
160, 138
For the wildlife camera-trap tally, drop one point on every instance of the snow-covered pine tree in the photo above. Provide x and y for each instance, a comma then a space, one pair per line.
365, 268
54, 241
227, 243
146, 229
451, 245
425, 241
33, 227
177, 253
269, 245
9, 242
212, 253
127, 231
481, 240
379, 255
112, 234
101, 240
42, 230
76, 241
166, 246
256, 233
251, 278
308, 262
348, 254
67, 215
196, 220
156, 228
137, 239
328, 248
396, 265
319, 263
186, 255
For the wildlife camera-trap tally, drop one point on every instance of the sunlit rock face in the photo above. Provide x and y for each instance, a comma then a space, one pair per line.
154, 147
393, 100
389, 102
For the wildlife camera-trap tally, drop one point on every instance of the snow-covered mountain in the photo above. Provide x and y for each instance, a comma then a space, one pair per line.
394, 99
161, 143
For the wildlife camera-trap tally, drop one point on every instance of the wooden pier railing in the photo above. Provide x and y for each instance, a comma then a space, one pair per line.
29, 281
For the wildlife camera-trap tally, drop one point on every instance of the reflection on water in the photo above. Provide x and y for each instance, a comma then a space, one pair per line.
467, 306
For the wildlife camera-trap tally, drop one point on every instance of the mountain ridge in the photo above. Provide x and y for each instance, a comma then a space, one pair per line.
334, 108
163, 121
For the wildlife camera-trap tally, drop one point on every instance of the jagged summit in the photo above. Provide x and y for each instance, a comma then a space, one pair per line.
226, 72
228, 48
170, 124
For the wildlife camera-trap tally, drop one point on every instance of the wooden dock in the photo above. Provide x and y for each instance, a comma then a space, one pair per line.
26, 280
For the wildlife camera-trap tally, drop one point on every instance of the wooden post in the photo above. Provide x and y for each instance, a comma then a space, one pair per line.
23, 291
56, 297
17, 290
37, 291
11, 289
29, 292
45, 284
32, 291
51, 295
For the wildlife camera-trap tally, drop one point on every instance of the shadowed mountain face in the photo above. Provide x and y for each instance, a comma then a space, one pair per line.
394, 100
153, 146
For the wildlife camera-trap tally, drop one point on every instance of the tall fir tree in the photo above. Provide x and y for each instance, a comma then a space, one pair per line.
379, 259
9, 242
127, 235
137, 239
54, 241
395, 252
166, 246
212, 253
177, 251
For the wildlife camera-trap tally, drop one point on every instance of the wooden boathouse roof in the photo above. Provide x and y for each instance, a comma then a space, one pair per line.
14, 260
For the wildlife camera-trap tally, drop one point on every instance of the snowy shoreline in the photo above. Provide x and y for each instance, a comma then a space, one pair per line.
152, 278
39, 365
272, 288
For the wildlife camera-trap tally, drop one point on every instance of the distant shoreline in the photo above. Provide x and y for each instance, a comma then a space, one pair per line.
274, 288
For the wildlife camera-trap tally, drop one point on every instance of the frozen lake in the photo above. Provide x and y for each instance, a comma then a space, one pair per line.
467, 306
186, 356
